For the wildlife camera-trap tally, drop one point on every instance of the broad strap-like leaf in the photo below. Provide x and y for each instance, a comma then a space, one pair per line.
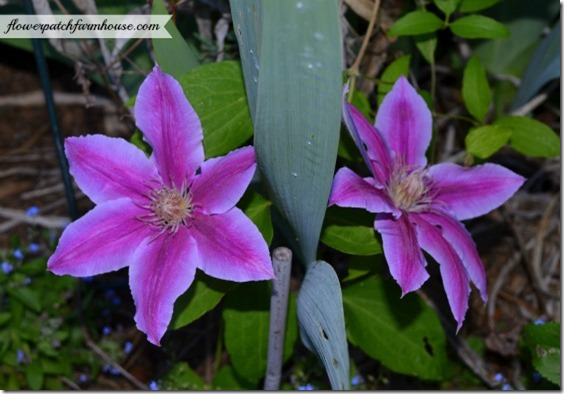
184, 56
322, 322
298, 109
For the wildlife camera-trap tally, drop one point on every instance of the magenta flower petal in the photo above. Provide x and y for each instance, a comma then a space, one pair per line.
470, 192
108, 168
455, 278
459, 238
352, 191
162, 270
170, 126
223, 180
101, 241
370, 143
231, 247
404, 257
405, 123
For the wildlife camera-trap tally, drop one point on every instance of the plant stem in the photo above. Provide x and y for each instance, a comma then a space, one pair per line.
353, 71
282, 263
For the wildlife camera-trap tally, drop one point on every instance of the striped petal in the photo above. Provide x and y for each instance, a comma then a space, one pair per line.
101, 241
405, 122
170, 126
404, 257
469, 192
108, 168
162, 271
453, 273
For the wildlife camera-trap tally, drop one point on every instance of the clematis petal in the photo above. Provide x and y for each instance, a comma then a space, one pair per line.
404, 257
369, 141
231, 247
223, 180
352, 191
455, 278
170, 126
162, 270
101, 241
108, 168
405, 123
470, 192
459, 238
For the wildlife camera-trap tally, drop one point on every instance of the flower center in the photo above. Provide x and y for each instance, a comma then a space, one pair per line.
169, 208
409, 189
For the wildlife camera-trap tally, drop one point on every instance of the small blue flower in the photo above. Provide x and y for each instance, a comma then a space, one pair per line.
110, 292
106, 330
499, 377
308, 386
114, 371
116, 300
88, 279
536, 377
6, 267
33, 247
32, 211
539, 322
153, 386
356, 380
18, 254
20, 356
127, 347
106, 368
83, 378
27, 281
506, 387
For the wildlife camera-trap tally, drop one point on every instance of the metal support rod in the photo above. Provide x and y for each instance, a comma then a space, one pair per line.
282, 264
53, 120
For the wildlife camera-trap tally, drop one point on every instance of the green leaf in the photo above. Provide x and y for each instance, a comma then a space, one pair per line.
398, 67
26, 296
298, 114
544, 66
173, 55
478, 26
257, 208
137, 140
360, 266
182, 377
246, 317
350, 231
476, 5
217, 93
484, 141
322, 323
427, 44
476, 90
34, 375
416, 22
447, 6
543, 342
202, 296
404, 334
525, 20
5, 317
228, 379
531, 137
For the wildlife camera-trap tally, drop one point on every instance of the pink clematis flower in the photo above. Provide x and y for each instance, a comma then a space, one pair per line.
419, 206
163, 216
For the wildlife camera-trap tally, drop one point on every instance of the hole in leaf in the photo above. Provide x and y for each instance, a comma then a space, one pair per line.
335, 363
324, 333
365, 146
428, 347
